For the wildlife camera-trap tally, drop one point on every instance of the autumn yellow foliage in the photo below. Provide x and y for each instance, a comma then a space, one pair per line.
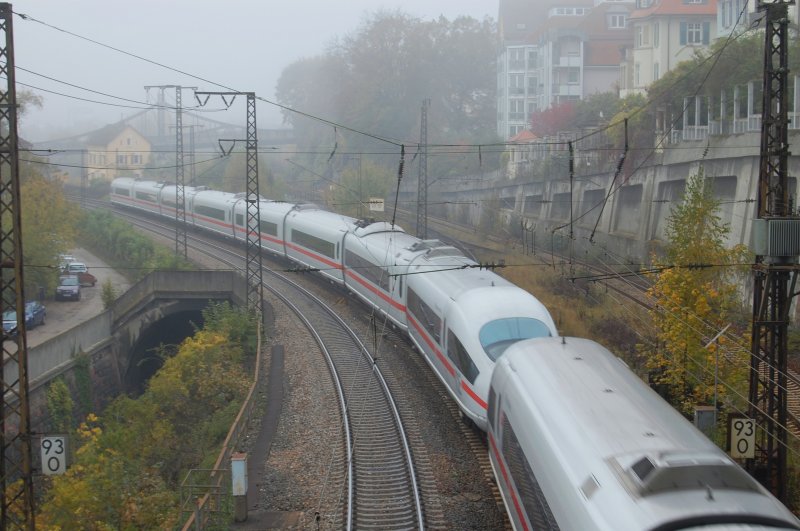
129, 463
696, 297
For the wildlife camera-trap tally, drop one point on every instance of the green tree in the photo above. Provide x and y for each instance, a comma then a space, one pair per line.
48, 228
108, 293
376, 78
59, 406
596, 109
695, 297
357, 185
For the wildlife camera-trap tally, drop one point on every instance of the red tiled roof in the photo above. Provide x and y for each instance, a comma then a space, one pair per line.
676, 7
523, 136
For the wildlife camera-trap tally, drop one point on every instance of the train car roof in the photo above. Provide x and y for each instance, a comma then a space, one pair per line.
215, 196
314, 217
452, 273
597, 394
620, 444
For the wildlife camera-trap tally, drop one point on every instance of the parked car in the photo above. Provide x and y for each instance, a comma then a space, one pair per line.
82, 272
9, 324
64, 260
35, 314
69, 287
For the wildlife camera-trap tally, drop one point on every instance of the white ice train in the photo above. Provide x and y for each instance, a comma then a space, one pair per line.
579, 442
459, 316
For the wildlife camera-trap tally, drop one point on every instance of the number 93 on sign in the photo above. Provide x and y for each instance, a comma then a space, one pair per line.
54, 454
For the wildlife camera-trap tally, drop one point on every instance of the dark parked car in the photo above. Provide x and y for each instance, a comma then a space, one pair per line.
35, 314
69, 287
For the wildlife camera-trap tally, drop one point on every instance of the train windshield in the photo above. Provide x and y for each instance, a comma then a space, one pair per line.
496, 336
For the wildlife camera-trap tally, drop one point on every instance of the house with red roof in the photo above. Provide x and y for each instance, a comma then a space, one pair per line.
665, 33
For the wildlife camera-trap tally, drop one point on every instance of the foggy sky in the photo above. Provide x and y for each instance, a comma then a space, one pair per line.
240, 44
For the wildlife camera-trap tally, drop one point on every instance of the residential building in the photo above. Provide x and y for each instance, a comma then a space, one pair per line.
556, 52
116, 150
735, 16
665, 32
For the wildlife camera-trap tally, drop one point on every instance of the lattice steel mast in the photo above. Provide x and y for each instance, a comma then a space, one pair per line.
180, 181
775, 272
252, 197
16, 488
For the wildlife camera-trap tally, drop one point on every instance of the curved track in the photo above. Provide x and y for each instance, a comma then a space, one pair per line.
378, 476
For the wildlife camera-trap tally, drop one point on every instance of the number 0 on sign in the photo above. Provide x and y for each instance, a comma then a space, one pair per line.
54, 455
743, 438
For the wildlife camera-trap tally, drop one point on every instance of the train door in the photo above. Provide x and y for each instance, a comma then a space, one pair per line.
466, 370
454, 376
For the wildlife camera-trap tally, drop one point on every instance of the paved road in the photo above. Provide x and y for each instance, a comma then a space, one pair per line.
63, 315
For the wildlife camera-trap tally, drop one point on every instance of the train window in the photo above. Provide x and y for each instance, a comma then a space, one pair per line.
536, 507
496, 336
400, 287
122, 191
240, 219
375, 274
211, 212
267, 227
146, 196
314, 243
424, 314
461, 358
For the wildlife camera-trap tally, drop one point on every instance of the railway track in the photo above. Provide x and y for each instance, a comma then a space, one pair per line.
378, 475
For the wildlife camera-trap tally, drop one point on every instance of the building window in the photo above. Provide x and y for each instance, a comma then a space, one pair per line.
514, 130
533, 59
616, 21
655, 72
642, 36
636, 71
655, 35
516, 58
516, 84
516, 110
693, 33
573, 76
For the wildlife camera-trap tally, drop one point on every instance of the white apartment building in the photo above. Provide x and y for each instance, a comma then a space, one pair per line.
552, 52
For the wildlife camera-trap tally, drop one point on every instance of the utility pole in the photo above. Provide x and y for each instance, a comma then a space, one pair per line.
252, 197
192, 155
776, 242
180, 182
16, 470
422, 182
